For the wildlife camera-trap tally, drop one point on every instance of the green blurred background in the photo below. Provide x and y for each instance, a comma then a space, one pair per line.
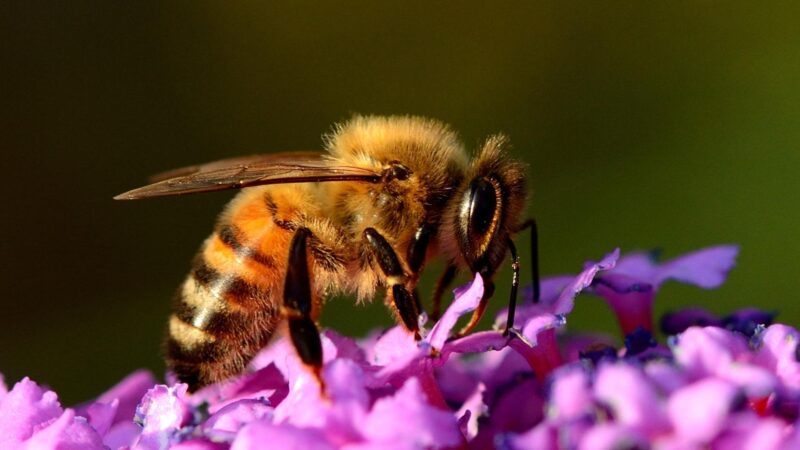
671, 125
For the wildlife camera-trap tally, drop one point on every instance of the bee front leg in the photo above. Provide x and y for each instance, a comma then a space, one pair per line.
416, 258
397, 294
298, 304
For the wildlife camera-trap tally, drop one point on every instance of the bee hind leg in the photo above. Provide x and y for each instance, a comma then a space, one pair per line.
397, 294
298, 304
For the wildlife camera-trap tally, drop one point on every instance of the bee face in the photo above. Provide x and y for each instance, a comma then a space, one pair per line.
486, 210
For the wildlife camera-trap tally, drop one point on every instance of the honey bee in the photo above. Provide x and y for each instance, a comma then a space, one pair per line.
387, 195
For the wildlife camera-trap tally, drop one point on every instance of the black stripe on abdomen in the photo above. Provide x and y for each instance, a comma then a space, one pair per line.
231, 236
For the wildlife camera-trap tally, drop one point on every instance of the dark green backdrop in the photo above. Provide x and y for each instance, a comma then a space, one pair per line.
673, 125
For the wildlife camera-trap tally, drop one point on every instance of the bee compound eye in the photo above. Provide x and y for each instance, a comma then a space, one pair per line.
482, 208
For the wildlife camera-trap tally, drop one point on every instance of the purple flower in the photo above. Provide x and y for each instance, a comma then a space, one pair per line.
720, 383
699, 411
630, 287
746, 321
32, 418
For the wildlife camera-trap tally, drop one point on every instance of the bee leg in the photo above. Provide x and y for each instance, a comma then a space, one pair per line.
397, 293
441, 285
531, 223
416, 257
512, 301
298, 304
489, 290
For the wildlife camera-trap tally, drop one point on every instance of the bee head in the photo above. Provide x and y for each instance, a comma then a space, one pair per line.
486, 209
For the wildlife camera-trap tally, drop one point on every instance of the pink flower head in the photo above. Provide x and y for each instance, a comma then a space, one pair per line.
720, 383
32, 418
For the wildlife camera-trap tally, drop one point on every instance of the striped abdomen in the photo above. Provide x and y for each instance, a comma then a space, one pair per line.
228, 307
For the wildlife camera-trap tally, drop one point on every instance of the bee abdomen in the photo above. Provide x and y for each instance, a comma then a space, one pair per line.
219, 322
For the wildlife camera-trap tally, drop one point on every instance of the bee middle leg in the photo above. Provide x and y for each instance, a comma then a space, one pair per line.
298, 304
535, 283
416, 258
397, 294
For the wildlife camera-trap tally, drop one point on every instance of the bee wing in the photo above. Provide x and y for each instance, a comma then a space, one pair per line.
256, 170
283, 157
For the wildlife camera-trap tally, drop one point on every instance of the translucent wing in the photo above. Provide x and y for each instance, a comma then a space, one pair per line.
256, 170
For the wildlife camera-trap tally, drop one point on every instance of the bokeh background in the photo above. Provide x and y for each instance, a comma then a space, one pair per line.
672, 125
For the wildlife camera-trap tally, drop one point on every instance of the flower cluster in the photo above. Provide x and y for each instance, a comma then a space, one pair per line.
726, 383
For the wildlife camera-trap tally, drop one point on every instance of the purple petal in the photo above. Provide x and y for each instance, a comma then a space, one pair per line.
466, 300
162, 412
666, 376
279, 436
541, 437
128, 392
538, 344
346, 347
266, 383
26, 408
472, 410
756, 382
552, 287
338, 416
101, 415
699, 411
570, 395
558, 293
517, 406
706, 268
631, 397
480, 342
778, 353
396, 354
630, 299
396, 345
705, 351
198, 444
122, 434
459, 379
68, 432
432, 427
584, 279
746, 431
676, 442
281, 353
612, 436
640, 265
236, 415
